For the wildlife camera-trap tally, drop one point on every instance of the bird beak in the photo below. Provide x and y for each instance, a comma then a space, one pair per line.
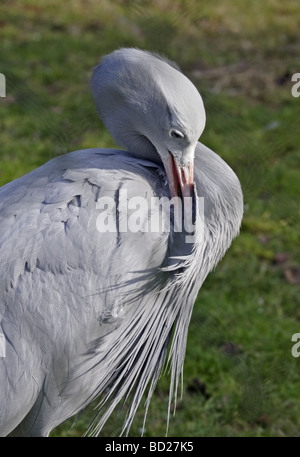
180, 178
181, 184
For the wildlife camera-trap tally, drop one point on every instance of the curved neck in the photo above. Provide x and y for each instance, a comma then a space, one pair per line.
127, 100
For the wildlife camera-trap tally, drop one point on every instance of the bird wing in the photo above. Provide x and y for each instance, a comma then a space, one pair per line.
65, 284
86, 311
45, 216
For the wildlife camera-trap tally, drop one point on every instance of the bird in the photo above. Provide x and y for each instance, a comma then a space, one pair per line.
103, 252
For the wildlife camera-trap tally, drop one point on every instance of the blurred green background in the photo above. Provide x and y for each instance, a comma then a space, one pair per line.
240, 378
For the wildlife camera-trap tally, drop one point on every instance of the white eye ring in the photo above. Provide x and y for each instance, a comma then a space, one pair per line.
176, 133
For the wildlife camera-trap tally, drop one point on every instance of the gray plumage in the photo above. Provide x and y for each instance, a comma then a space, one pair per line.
87, 314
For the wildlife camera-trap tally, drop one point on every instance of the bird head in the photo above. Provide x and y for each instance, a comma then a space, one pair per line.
153, 110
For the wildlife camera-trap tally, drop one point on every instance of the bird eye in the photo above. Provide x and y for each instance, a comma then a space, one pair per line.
176, 133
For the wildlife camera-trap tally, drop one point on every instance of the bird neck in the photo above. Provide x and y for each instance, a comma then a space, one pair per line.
124, 98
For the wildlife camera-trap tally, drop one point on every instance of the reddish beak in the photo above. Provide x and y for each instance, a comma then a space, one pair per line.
180, 178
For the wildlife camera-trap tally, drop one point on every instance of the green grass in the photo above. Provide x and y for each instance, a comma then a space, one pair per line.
241, 56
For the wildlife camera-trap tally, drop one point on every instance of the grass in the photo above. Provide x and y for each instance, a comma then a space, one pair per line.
240, 378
